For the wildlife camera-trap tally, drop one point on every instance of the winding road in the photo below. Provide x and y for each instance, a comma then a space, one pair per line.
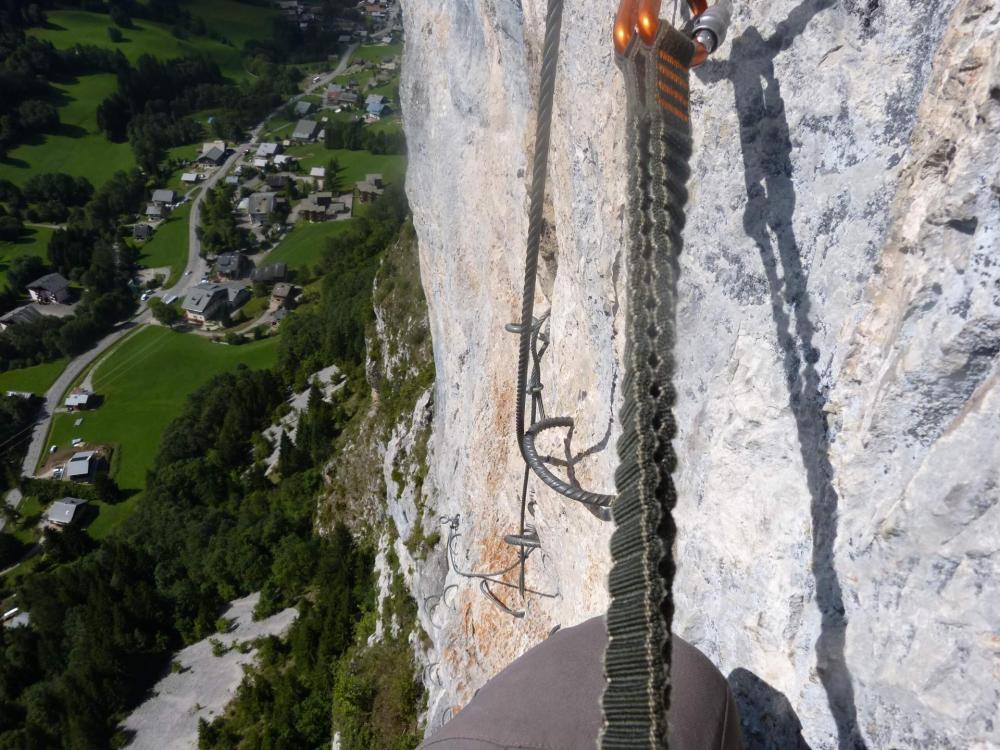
196, 268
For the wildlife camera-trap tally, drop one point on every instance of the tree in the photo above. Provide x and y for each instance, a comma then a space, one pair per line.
289, 457
24, 269
37, 116
120, 17
114, 34
107, 488
10, 228
166, 314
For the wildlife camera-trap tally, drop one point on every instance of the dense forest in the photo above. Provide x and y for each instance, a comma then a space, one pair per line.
211, 527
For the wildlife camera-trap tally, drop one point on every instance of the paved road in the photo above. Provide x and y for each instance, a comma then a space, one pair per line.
196, 268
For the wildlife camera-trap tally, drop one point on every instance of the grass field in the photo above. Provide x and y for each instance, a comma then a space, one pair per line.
69, 27
169, 245
354, 165
375, 52
144, 383
304, 244
37, 379
80, 149
237, 22
34, 241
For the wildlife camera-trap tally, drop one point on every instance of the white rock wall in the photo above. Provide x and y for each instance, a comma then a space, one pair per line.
840, 329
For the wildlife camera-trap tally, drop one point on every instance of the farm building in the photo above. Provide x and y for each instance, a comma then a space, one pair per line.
305, 130
52, 287
19, 316
82, 466
80, 399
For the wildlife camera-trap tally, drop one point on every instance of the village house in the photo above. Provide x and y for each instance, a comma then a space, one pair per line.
142, 231
192, 178
305, 130
303, 107
237, 295
268, 150
282, 295
205, 302
284, 161
277, 181
64, 511
52, 287
83, 466
19, 316
260, 206
164, 197
80, 399
370, 188
153, 211
270, 273
233, 265
318, 175
213, 153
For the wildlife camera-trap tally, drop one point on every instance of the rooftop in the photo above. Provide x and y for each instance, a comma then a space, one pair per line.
62, 511
50, 282
305, 129
201, 296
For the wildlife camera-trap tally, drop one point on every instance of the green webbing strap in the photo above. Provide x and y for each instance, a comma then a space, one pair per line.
637, 661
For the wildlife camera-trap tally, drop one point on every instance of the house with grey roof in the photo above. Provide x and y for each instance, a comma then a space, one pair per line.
305, 130
205, 302
268, 150
19, 316
233, 265
82, 466
52, 287
282, 294
154, 211
370, 188
261, 206
142, 231
270, 273
79, 399
303, 107
63, 512
236, 295
213, 153
163, 197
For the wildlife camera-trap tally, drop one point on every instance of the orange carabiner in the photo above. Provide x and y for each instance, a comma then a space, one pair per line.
649, 20
625, 22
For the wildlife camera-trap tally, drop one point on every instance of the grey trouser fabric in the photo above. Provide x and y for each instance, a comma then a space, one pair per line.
550, 699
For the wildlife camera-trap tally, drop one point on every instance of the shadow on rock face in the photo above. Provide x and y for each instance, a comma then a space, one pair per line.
766, 716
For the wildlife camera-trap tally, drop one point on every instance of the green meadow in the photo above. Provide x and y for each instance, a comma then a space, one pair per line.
37, 379
79, 149
168, 245
34, 241
354, 165
144, 382
304, 244
67, 28
375, 52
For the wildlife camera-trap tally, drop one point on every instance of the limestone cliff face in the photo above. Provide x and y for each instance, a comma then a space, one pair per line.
839, 377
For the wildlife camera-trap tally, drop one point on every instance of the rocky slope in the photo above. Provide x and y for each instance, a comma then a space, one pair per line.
839, 530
